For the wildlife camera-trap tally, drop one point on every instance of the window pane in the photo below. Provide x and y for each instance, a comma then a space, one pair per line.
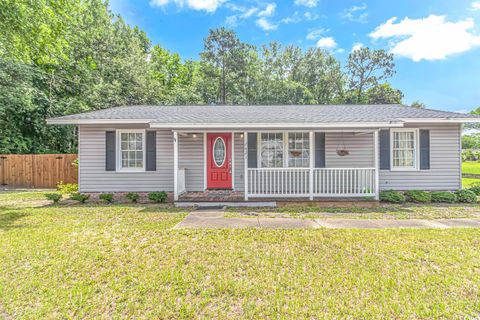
271, 150
131, 150
298, 149
403, 148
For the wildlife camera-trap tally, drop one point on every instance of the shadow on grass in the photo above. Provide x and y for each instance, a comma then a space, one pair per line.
9, 216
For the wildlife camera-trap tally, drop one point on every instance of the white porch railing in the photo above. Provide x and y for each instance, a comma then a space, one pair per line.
327, 182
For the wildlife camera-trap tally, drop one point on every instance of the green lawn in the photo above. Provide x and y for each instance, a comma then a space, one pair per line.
384, 211
471, 167
126, 261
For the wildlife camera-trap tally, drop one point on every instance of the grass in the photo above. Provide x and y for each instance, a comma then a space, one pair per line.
384, 211
471, 167
126, 261
468, 182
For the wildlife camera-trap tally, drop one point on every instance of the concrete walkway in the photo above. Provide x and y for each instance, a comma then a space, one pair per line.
215, 219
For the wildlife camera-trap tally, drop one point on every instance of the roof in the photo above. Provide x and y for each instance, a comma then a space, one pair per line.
209, 116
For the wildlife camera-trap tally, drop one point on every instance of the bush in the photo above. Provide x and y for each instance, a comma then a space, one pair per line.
418, 196
443, 196
466, 196
158, 197
107, 197
133, 196
475, 188
67, 187
81, 197
55, 197
392, 196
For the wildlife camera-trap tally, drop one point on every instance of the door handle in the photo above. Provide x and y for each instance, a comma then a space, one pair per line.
230, 166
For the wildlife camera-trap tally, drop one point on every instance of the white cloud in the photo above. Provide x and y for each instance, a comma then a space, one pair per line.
265, 24
356, 14
316, 33
357, 46
311, 16
430, 38
307, 3
326, 43
268, 11
248, 13
231, 21
206, 5
475, 6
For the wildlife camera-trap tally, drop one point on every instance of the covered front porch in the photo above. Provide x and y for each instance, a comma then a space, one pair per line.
261, 165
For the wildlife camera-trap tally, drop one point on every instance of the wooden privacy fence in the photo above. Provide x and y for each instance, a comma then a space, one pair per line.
37, 170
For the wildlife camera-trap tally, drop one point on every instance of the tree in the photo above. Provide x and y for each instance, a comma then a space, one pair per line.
383, 94
223, 57
418, 104
367, 68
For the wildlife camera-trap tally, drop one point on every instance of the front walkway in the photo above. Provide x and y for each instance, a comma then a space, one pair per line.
215, 219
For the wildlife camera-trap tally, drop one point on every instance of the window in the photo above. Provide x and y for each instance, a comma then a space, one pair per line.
298, 150
131, 150
404, 149
271, 150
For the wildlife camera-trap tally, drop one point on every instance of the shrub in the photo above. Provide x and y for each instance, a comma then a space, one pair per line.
475, 188
392, 196
107, 197
81, 197
67, 187
133, 196
443, 196
467, 196
158, 197
55, 197
418, 196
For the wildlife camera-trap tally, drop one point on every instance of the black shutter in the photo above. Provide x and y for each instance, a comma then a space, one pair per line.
319, 149
384, 137
424, 149
151, 146
252, 150
110, 151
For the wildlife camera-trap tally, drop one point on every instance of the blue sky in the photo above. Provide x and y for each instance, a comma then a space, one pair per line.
436, 43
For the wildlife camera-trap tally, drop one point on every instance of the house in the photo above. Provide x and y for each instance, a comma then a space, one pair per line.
268, 152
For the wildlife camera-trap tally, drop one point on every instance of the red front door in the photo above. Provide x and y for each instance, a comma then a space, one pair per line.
219, 160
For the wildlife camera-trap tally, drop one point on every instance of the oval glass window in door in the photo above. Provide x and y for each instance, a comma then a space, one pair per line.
219, 152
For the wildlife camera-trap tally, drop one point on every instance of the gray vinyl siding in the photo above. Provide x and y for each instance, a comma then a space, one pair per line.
94, 178
444, 172
239, 167
445, 162
360, 146
191, 157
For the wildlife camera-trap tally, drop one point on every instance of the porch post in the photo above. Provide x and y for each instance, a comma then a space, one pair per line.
312, 165
175, 166
245, 164
377, 162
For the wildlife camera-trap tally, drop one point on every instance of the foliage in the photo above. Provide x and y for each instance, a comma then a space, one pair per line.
471, 141
107, 197
470, 154
467, 196
55, 197
418, 104
67, 187
159, 197
443, 196
63, 57
418, 196
133, 196
81, 197
367, 68
475, 188
392, 196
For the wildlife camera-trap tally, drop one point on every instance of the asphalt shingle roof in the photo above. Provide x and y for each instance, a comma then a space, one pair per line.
278, 114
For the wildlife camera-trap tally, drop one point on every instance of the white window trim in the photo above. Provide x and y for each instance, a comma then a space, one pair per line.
416, 150
119, 150
285, 149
